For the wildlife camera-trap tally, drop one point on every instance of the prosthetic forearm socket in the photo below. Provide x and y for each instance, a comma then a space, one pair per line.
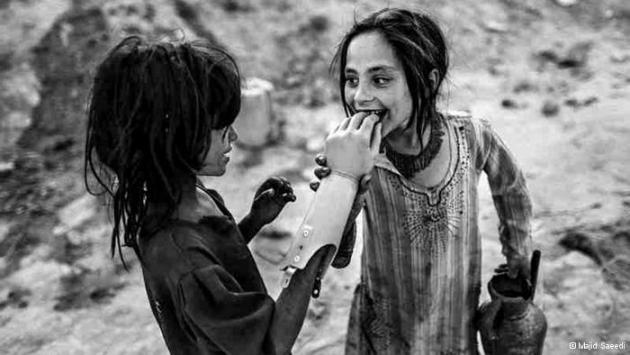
323, 224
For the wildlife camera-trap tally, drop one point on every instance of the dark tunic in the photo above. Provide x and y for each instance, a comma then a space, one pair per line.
204, 288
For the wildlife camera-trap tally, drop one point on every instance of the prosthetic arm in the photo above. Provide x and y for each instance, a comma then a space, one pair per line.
323, 224
326, 217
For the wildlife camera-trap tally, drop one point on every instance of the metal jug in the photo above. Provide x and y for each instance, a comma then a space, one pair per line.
511, 324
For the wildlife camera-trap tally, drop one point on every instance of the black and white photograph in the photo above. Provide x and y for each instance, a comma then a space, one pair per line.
331, 177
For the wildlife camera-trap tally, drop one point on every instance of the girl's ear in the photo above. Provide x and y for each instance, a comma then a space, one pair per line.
434, 78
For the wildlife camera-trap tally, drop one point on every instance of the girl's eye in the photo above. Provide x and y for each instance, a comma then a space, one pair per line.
352, 82
381, 81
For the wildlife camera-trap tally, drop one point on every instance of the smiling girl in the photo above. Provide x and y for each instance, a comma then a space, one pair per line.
421, 261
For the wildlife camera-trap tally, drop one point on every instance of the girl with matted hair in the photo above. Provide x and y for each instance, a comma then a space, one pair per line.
161, 115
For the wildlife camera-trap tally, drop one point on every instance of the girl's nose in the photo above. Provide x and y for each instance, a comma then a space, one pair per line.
362, 95
232, 135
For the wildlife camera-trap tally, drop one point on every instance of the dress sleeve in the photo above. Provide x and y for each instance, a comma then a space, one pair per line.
509, 192
221, 316
348, 239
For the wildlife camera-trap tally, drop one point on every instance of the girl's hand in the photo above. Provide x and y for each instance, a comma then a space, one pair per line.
270, 199
351, 147
517, 266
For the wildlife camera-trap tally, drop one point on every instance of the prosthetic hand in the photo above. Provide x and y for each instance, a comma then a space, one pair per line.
350, 150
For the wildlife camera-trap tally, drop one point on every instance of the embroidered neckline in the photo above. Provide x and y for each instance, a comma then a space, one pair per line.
458, 161
408, 164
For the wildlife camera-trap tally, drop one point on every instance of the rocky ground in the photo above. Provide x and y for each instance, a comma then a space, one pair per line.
553, 77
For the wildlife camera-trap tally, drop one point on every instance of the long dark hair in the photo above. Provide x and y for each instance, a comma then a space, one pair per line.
419, 45
151, 110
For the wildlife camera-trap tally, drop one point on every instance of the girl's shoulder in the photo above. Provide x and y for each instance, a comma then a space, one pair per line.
475, 128
465, 119
191, 244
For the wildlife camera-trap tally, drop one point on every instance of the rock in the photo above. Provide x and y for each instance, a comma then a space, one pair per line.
566, 3
6, 167
316, 24
581, 242
495, 26
547, 55
235, 6
509, 103
523, 86
576, 103
16, 298
255, 122
550, 109
576, 56
611, 253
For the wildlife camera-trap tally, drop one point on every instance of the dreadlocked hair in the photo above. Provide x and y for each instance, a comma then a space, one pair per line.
419, 45
151, 110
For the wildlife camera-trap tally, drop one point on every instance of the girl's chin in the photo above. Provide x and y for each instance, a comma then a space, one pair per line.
213, 171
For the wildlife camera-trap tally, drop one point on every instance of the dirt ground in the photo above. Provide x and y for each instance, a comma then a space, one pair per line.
552, 76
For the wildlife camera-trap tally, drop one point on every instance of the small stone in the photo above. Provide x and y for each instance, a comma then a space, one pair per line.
576, 103
547, 55
576, 56
509, 103
495, 26
523, 86
6, 168
566, 3
318, 23
550, 109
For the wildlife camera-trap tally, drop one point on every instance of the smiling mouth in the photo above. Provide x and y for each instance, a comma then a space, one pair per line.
379, 113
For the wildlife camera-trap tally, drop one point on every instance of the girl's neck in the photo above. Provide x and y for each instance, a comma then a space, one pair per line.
407, 141
194, 203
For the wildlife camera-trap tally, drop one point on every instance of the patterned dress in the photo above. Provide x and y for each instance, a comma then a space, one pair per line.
421, 262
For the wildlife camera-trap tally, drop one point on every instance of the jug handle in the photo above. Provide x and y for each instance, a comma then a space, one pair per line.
535, 263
